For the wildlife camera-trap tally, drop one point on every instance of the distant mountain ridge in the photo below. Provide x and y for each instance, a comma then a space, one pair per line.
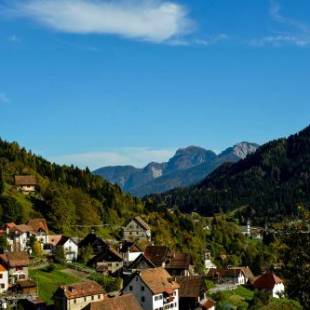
267, 186
188, 166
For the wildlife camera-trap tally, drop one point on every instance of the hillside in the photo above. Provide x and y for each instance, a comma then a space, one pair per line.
74, 201
267, 185
188, 166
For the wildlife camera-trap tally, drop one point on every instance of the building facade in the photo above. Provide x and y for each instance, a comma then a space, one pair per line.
154, 289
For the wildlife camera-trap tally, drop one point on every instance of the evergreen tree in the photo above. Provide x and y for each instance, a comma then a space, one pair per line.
1, 182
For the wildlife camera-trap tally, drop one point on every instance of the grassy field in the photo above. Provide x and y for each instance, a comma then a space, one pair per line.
48, 281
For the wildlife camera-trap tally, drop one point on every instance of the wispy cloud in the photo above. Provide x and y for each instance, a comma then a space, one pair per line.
297, 33
203, 41
136, 156
4, 98
279, 40
151, 20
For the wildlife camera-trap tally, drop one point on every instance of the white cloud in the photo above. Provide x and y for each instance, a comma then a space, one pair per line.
4, 98
151, 20
136, 156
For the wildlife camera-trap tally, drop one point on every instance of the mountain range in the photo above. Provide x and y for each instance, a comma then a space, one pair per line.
268, 186
188, 166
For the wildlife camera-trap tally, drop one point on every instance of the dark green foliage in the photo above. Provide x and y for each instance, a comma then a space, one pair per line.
296, 259
10, 210
3, 243
110, 284
226, 240
1, 182
85, 254
59, 255
266, 186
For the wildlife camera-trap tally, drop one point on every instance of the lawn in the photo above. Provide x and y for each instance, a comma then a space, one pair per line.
49, 281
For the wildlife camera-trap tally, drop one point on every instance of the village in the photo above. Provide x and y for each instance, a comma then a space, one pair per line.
152, 277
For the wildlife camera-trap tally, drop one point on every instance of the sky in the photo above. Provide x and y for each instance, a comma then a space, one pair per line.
97, 82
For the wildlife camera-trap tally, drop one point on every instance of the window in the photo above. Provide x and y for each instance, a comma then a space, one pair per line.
130, 287
85, 298
99, 296
2, 286
142, 288
74, 301
92, 298
142, 298
1, 275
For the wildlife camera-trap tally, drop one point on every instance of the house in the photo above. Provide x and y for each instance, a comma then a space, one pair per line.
139, 264
271, 283
70, 248
25, 183
130, 251
123, 302
180, 264
93, 241
137, 230
109, 261
154, 289
176, 263
39, 229
4, 279
26, 287
77, 296
192, 292
17, 236
157, 254
50, 247
208, 264
17, 265
233, 275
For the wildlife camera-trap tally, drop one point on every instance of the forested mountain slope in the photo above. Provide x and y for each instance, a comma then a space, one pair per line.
266, 185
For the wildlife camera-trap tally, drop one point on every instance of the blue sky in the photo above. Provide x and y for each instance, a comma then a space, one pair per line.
96, 82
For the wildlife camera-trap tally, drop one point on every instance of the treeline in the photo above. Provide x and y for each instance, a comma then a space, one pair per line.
266, 186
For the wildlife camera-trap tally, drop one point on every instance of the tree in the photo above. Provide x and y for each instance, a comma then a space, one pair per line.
3, 243
1, 182
296, 258
86, 254
37, 248
60, 255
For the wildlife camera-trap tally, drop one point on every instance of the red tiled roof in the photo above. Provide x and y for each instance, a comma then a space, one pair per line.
23, 228
267, 281
54, 239
190, 286
2, 268
158, 280
157, 254
15, 259
27, 180
124, 302
179, 261
37, 224
208, 304
81, 289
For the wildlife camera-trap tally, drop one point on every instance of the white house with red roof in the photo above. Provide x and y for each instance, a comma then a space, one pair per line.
271, 283
154, 289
